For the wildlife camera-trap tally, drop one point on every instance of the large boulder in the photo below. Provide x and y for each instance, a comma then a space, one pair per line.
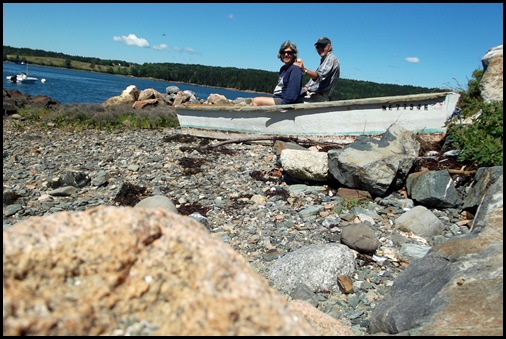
14, 100
491, 84
457, 288
375, 166
133, 271
128, 96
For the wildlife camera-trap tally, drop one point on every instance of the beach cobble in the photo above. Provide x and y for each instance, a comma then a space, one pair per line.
237, 190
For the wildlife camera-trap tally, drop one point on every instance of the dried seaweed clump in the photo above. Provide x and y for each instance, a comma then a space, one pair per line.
277, 191
9, 197
187, 209
205, 148
274, 175
129, 194
191, 165
184, 138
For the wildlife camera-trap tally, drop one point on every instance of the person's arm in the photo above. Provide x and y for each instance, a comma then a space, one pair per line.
311, 74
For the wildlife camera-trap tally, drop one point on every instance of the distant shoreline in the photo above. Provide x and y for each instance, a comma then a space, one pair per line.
150, 78
193, 84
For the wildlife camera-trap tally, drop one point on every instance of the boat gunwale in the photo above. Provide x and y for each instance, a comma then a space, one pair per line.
315, 105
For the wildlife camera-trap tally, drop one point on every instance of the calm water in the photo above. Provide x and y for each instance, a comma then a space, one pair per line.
79, 87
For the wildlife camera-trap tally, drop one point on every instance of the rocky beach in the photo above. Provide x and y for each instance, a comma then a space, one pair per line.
238, 191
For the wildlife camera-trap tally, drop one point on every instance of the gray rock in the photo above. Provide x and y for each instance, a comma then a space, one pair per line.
303, 292
317, 266
375, 166
484, 178
420, 221
433, 189
305, 165
63, 191
414, 251
156, 202
360, 237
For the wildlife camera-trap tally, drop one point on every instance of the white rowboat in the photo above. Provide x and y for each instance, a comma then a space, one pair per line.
419, 113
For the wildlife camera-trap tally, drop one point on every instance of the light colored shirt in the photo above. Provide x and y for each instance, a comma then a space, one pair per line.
328, 73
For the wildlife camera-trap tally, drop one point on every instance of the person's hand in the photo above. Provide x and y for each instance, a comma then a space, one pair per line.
300, 64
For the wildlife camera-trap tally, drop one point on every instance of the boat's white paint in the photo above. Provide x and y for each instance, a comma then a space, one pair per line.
419, 113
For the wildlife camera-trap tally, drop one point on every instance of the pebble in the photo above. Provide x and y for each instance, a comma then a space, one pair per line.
247, 205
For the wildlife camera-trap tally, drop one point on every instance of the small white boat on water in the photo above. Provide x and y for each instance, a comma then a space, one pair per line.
22, 78
420, 113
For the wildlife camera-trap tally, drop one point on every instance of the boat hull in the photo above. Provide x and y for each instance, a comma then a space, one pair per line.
420, 113
28, 81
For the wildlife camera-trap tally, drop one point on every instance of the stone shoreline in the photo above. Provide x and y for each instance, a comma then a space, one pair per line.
242, 198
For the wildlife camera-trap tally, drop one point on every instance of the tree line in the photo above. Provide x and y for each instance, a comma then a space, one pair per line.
227, 77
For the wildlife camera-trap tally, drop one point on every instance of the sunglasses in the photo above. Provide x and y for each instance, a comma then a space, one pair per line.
286, 52
320, 46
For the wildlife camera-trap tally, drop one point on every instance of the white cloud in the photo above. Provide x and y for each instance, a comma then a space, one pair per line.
189, 50
132, 40
413, 60
161, 47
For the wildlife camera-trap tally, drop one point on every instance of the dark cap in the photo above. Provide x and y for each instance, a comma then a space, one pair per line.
323, 40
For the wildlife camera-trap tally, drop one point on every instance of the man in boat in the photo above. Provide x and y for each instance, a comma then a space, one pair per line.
324, 79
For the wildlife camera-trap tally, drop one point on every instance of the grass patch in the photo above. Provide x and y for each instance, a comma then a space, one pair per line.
95, 116
348, 204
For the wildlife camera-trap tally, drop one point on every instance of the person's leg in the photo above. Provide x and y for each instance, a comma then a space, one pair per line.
262, 101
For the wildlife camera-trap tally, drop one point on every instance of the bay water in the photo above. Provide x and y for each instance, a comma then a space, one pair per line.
80, 87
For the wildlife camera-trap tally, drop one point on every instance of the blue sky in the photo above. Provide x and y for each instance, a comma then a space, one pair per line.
421, 44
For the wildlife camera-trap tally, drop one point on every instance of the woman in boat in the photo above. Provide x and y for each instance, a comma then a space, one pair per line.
287, 91
322, 81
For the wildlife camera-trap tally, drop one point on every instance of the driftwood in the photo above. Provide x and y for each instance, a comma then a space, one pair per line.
239, 140
300, 141
464, 172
